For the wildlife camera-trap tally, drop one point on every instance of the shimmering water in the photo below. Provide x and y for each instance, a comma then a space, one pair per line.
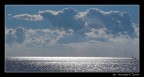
71, 64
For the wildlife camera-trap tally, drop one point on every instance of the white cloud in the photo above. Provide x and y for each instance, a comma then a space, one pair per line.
136, 29
81, 15
70, 18
65, 18
9, 31
70, 32
20, 34
43, 36
98, 33
50, 11
35, 37
77, 33
9, 14
119, 40
10, 36
35, 17
114, 48
15, 35
46, 40
123, 48
113, 21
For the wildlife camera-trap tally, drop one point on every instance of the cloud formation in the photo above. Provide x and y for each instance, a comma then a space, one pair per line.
15, 35
20, 34
98, 33
70, 18
10, 37
28, 17
114, 21
136, 29
91, 32
63, 19
44, 37
35, 37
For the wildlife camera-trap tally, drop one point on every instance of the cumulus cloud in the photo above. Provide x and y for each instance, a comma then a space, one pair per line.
92, 23
35, 37
64, 19
47, 41
92, 32
29, 17
50, 11
136, 29
20, 34
15, 35
10, 37
43, 37
70, 18
9, 31
98, 33
114, 21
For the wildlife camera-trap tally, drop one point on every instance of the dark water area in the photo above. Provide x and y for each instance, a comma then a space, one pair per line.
71, 64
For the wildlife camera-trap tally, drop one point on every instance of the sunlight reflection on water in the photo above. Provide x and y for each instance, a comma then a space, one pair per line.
71, 64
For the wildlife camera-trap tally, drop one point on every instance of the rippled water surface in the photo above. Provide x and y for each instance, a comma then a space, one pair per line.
71, 64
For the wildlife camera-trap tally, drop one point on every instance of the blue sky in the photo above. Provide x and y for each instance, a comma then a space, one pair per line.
72, 30
32, 9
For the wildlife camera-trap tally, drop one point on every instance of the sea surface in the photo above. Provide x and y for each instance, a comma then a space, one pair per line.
71, 64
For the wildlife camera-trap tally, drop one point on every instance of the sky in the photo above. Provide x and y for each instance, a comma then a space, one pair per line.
72, 30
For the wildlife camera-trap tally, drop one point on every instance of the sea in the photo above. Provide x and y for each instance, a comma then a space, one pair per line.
71, 64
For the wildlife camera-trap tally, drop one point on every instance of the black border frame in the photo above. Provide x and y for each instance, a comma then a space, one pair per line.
68, 2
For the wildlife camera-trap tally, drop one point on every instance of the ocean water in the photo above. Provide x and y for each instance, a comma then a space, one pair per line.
71, 64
